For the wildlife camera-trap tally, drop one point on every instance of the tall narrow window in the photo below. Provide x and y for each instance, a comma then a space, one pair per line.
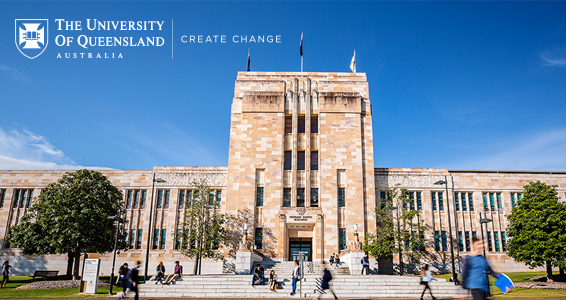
16, 198
314, 124
342, 238
314, 160
159, 198
440, 201
314, 197
470, 202
474, 235
129, 200
189, 199
436, 241
444, 241
259, 238
503, 241
136, 199
286, 197
485, 207
467, 235
211, 198
491, 202
489, 244
288, 124
460, 241
383, 199
512, 200
341, 197
259, 196
300, 160
300, 197
301, 125
498, 197
155, 238
163, 236
218, 199
166, 199
132, 238
464, 205
433, 197
412, 198
178, 239
139, 239
181, 199
2, 196
288, 160
496, 239
144, 196
419, 201
456, 202
24, 201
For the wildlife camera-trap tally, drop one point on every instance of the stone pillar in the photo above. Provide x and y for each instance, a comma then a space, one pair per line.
319, 238
282, 237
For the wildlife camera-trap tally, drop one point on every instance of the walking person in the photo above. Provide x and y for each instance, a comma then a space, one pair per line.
325, 284
5, 273
475, 270
133, 278
365, 264
273, 285
123, 278
176, 274
426, 279
296, 276
159, 273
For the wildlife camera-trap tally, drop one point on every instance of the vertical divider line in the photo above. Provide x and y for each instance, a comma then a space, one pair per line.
171, 38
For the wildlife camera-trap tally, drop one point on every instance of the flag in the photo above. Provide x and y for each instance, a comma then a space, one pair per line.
353, 63
248, 59
301, 44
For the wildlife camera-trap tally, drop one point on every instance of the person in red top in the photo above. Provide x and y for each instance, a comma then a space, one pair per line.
177, 274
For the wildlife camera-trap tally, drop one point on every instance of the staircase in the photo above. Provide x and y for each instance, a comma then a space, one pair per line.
285, 268
345, 286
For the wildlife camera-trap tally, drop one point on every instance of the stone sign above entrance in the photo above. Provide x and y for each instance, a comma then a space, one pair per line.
300, 219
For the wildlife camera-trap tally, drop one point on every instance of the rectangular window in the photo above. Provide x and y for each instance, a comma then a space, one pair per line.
491, 202
259, 196
314, 124
2, 196
412, 198
129, 200
218, 199
436, 241
419, 201
178, 239
456, 202
496, 239
155, 238
259, 238
314, 160
341, 197
383, 199
433, 196
512, 200
485, 207
159, 198
288, 160
440, 201
136, 199
139, 240
470, 202
498, 197
503, 241
342, 238
189, 199
181, 199
314, 197
300, 160
489, 244
166, 200
286, 197
444, 241
16, 198
301, 125
24, 199
460, 241
132, 238
300, 197
163, 236
464, 206
144, 196
211, 198
474, 235
288, 124
467, 235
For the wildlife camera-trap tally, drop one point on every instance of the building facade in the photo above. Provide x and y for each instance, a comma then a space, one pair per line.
301, 176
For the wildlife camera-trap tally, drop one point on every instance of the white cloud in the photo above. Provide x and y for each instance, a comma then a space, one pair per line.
28, 151
552, 60
544, 151
11, 72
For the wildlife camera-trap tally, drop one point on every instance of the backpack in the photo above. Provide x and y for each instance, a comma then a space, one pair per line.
129, 277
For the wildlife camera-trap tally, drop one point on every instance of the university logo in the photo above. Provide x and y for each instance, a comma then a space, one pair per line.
31, 36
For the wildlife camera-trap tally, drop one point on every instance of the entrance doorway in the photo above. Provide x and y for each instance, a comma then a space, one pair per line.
304, 247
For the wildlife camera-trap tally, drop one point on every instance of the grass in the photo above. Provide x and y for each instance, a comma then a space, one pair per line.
9, 292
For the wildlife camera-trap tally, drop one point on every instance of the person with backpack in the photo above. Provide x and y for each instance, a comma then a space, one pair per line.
365, 264
475, 270
296, 276
325, 282
123, 277
426, 279
133, 279
258, 276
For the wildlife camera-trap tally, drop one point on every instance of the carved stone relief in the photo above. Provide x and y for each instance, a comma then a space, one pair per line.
186, 179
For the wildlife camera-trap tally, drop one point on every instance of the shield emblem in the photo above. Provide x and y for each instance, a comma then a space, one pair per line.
32, 36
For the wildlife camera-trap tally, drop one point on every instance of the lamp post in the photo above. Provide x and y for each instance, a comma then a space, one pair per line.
245, 246
118, 219
484, 221
357, 237
445, 183
149, 225
201, 237
399, 241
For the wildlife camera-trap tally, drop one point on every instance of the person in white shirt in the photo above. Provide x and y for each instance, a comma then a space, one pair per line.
296, 276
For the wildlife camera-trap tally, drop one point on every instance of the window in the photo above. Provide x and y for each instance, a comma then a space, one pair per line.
498, 197
288, 124
342, 238
300, 160
22, 198
136, 199
314, 197
211, 198
178, 239
314, 160
436, 241
485, 207
412, 198
474, 235
300, 197
144, 196
456, 202
139, 240
440, 202
419, 201
503, 241
496, 239
218, 199
489, 244
467, 236
383, 199
166, 202
188, 199
491, 202
341, 197
286, 197
163, 236
515, 197
2, 195
129, 200
464, 206
288, 160
301, 125
181, 199
314, 124
470, 202
259, 238
159, 198
132, 238
444, 241
433, 196
155, 238
259, 196
460, 241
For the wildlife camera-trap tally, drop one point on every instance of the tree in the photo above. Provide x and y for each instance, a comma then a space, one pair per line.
537, 228
399, 227
71, 216
203, 230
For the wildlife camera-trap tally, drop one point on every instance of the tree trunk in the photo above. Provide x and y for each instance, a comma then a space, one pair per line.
549, 270
70, 258
77, 265
561, 271
196, 266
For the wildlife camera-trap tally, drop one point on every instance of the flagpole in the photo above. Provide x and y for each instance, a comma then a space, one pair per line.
301, 64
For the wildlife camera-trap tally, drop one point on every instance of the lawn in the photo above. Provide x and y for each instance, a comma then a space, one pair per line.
11, 293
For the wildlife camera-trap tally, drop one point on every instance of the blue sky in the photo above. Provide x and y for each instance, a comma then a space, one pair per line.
460, 85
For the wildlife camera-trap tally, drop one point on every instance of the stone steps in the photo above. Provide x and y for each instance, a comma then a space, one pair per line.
345, 286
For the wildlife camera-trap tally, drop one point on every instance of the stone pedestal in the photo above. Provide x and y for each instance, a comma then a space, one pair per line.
354, 261
245, 261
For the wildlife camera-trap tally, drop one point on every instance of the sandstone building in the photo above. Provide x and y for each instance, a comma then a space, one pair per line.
301, 173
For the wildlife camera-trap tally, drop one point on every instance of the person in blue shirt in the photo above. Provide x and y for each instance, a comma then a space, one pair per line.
365, 264
475, 270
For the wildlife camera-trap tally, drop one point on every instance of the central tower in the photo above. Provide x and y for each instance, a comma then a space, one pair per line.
300, 168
